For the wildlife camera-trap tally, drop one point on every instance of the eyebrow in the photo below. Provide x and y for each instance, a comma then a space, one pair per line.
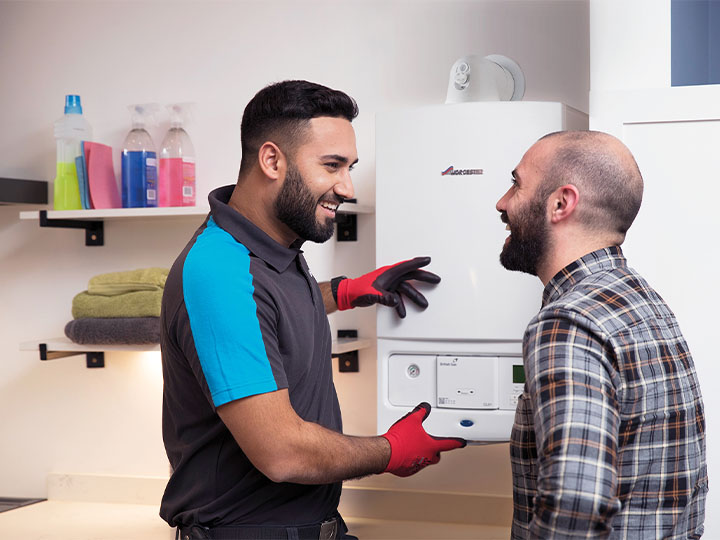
338, 157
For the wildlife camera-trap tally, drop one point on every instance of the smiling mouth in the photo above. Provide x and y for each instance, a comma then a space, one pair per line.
330, 208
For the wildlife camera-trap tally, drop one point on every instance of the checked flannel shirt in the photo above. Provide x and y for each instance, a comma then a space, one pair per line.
609, 435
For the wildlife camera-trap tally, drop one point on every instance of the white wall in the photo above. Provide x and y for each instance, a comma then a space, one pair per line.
59, 416
629, 44
673, 133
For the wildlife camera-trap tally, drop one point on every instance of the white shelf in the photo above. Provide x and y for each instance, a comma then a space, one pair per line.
145, 213
344, 345
64, 345
110, 214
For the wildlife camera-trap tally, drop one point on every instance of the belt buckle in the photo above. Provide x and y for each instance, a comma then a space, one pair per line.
328, 530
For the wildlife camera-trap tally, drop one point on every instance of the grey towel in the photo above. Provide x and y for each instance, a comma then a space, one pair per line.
114, 331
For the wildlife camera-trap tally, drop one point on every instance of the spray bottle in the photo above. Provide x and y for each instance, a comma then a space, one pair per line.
70, 131
177, 161
139, 160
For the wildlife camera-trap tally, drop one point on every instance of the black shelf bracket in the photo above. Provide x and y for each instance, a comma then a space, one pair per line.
347, 225
94, 359
93, 229
348, 362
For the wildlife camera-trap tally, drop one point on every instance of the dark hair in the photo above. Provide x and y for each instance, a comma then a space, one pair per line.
606, 174
281, 113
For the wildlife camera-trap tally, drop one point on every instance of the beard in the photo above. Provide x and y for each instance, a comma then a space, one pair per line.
529, 239
296, 207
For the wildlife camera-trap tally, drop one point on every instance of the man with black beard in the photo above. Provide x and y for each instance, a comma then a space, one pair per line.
609, 434
251, 421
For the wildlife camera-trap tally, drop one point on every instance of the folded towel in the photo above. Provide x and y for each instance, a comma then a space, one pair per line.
113, 283
117, 331
132, 304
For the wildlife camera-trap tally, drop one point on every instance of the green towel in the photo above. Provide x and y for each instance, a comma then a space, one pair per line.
132, 304
113, 283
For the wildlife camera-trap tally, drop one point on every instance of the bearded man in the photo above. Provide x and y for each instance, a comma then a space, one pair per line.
609, 434
251, 421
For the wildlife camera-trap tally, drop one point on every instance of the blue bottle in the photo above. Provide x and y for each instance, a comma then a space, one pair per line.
139, 161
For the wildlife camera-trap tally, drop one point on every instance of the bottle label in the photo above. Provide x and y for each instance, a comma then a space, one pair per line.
151, 179
188, 190
176, 185
139, 176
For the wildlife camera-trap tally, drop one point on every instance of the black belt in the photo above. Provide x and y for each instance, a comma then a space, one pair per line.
327, 530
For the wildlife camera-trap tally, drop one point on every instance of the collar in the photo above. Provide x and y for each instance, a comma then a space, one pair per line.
248, 234
597, 261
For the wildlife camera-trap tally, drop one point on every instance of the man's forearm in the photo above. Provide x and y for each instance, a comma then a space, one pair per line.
285, 448
319, 456
327, 296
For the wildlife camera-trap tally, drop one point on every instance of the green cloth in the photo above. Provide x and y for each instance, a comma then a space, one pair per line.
132, 304
113, 283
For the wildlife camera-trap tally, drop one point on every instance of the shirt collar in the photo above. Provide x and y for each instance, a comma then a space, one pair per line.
602, 259
248, 234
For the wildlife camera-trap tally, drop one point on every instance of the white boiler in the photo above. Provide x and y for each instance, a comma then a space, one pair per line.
440, 171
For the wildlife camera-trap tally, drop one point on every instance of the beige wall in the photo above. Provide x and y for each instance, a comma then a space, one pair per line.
59, 416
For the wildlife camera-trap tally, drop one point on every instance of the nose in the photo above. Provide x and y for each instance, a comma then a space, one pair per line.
344, 188
501, 205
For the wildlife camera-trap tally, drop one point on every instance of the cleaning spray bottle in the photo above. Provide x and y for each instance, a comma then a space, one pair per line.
177, 161
139, 160
70, 131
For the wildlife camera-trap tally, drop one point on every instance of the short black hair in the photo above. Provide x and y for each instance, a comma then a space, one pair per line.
282, 111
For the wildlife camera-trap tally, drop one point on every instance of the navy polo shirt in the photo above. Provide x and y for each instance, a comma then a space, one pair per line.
241, 315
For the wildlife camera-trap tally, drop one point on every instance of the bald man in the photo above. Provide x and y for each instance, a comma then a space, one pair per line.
609, 434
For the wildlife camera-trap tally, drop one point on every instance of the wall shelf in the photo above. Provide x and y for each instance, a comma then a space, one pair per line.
61, 347
92, 220
112, 214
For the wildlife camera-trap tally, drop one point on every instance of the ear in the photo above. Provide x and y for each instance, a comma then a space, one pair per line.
563, 202
271, 160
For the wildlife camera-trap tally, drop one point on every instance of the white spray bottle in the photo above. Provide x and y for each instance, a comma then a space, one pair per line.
177, 161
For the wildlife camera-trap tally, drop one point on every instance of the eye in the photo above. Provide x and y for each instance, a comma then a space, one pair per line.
513, 181
352, 167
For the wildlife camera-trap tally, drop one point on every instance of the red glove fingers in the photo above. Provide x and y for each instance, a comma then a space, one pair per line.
384, 285
412, 449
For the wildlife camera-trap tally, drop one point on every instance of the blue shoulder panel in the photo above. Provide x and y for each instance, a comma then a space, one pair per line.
218, 289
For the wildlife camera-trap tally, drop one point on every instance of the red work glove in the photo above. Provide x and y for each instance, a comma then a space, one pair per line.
384, 286
411, 447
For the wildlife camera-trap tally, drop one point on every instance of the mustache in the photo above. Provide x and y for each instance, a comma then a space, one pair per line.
504, 218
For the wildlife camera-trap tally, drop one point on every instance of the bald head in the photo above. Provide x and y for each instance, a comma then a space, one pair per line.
604, 172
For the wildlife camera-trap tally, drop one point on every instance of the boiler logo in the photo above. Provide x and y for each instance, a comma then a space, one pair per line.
453, 362
452, 171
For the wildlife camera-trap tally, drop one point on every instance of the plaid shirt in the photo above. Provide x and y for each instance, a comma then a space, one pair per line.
609, 435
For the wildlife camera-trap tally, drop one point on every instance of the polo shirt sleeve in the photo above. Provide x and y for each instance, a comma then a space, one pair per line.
233, 322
